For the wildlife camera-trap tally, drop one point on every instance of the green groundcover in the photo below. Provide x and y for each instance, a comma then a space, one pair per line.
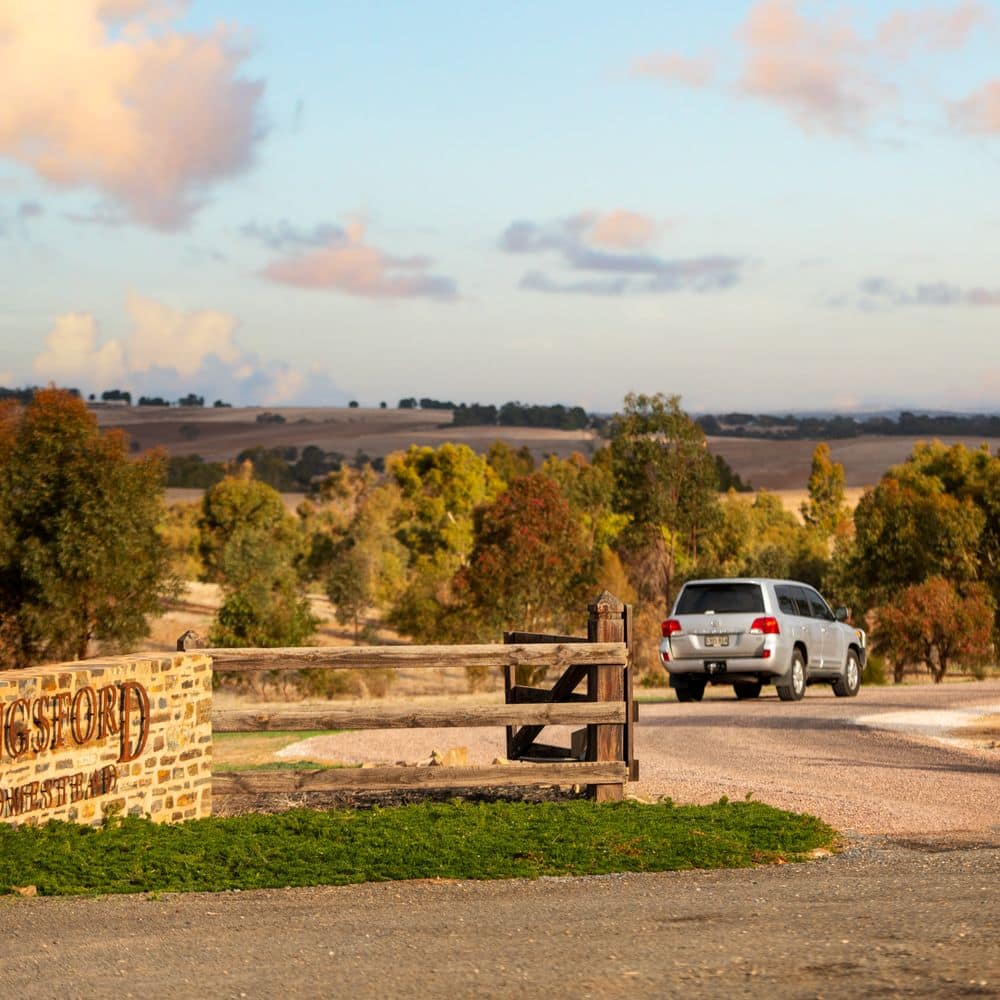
455, 840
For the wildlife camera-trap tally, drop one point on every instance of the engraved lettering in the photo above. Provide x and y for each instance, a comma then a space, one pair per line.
41, 738
82, 714
131, 690
15, 730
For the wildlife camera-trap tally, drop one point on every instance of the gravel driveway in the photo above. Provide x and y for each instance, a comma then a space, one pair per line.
910, 909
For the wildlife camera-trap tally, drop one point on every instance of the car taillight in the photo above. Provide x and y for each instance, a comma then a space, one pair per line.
669, 627
765, 626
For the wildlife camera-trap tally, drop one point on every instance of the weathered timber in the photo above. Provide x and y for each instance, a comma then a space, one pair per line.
363, 717
552, 654
383, 778
605, 743
561, 691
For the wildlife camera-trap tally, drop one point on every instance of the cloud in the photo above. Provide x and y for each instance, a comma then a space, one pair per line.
596, 243
345, 263
110, 95
617, 229
30, 210
823, 71
72, 351
814, 70
169, 352
186, 338
536, 281
935, 28
692, 71
282, 235
980, 111
879, 291
622, 229
101, 215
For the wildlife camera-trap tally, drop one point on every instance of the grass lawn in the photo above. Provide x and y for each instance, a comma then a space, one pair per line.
457, 840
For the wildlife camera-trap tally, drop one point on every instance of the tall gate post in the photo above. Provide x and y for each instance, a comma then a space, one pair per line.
606, 742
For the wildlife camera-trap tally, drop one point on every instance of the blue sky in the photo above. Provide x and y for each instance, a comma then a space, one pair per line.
767, 206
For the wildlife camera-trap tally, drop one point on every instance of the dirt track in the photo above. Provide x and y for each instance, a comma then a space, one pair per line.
912, 914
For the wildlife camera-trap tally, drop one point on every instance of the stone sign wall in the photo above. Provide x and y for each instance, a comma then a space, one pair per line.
130, 735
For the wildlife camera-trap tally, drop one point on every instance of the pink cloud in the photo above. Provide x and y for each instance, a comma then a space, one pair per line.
933, 27
621, 229
983, 297
147, 114
980, 111
347, 264
819, 67
815, 70
676, 68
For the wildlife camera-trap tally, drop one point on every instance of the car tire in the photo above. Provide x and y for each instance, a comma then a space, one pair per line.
796, 686
750, 689
849, 684
689, 688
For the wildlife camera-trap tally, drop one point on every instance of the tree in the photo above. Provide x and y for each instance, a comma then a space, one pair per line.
825, 511
971, 475
758, 537
509, 464
935, 623
254, 549
528, 566
368, 564
908, 531
666, 482
440, 489
81, 557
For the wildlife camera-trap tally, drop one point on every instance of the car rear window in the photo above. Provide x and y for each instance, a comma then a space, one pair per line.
720, 599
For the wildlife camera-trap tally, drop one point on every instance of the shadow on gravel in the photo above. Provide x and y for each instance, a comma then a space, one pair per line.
784, 722
957, 767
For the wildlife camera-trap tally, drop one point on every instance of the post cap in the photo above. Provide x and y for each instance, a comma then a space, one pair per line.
606, 604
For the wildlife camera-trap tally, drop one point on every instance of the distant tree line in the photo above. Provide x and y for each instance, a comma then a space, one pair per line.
512, 414
763, 425
25, 395
564, 418
285, 468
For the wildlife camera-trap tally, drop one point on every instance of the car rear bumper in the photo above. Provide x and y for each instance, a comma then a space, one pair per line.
736, 668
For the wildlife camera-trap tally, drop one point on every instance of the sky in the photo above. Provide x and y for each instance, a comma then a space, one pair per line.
766, 206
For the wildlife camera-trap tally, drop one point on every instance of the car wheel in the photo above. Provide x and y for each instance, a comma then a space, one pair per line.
849, 684
689, 688
796, 686
748, 690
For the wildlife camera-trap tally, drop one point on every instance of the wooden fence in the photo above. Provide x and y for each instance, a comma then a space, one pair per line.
601, 756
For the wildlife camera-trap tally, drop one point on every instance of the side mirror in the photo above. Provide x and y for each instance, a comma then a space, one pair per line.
842, 614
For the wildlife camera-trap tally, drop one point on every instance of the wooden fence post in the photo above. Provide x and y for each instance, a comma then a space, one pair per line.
606, 742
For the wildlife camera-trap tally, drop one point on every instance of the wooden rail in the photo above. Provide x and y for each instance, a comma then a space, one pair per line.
324, 717
558, 655
602, 756
340, 779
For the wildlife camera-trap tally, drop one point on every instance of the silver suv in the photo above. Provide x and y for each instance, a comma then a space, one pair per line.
752, 632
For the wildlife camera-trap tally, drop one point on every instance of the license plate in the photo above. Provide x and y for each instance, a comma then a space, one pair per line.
716, 640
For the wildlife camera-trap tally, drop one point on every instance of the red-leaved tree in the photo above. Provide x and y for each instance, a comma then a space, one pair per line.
937, 624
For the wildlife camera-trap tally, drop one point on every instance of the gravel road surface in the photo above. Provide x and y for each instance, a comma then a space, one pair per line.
910, 909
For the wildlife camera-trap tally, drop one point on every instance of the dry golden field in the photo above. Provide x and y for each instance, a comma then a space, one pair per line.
220, 434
